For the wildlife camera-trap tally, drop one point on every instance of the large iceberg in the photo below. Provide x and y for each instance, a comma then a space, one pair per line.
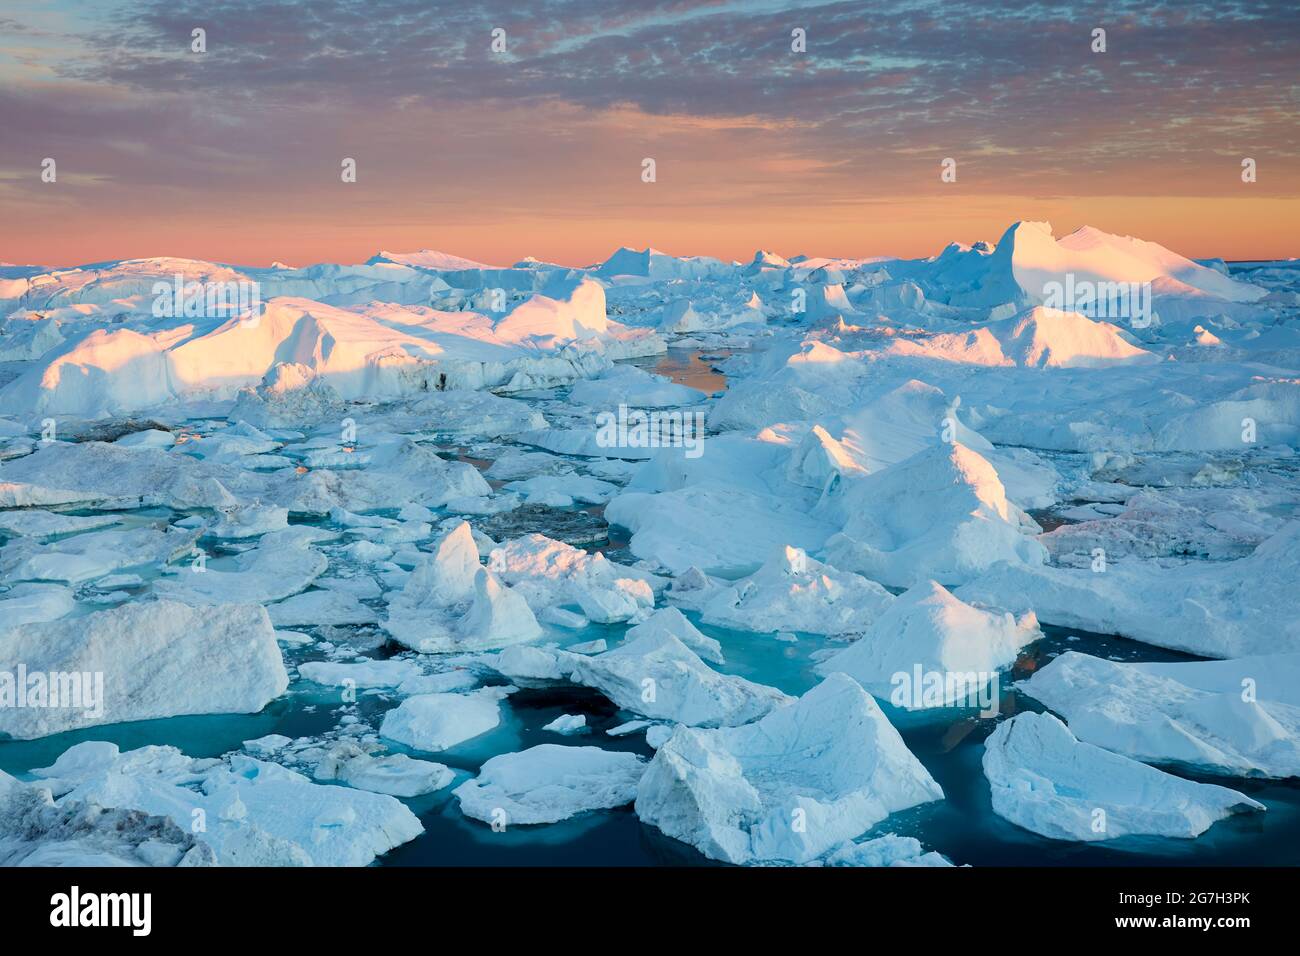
1239, 717
1047, 781
788, 788
137, 662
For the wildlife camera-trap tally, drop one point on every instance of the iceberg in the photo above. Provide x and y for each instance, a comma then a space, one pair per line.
139, 661
549, 783
788, 788
250, 812
929, 629
1239, 717
1047, 781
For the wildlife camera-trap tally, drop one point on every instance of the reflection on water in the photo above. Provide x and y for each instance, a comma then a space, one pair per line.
688, 367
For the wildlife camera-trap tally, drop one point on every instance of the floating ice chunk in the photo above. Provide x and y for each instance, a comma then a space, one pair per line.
443, 683
290, 395
671, 621
395, 473
248, 521
268, 744
941, 514
395, 774
792, 591
658, 676
538, 489
443, 578
634, 387
527, 665
42, 525
84, 557
33, 603
144, 660
256, 813
652, 264
567, 724
800, 781
548, 572
434, 722
887, 850
470, 414
497, 617
818, 458
282, 564
929, 630
390, 673
337, 608
630, 727
1238, 717
549, 783
716, 523
562, 618
447, 575
1037, 338
1047, 781
1220, 609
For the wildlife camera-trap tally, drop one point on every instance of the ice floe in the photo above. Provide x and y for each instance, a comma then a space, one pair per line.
252, 813
1239, 717
1047, 781
549, 783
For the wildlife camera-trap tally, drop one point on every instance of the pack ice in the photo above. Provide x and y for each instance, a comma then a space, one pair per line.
381, 503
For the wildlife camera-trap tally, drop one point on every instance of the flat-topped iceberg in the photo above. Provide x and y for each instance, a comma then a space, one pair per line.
434, 722
549, 783
1217, 609
1239, 717
1047, 781
138, 661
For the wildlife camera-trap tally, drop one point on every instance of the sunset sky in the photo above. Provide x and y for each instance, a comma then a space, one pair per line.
234, 154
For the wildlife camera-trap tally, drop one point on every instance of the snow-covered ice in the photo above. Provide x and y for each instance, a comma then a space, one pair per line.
549, 783
1047, 781
1239, 717
139, 661
789, 787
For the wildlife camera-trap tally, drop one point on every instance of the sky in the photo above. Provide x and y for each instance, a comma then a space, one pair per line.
235, 154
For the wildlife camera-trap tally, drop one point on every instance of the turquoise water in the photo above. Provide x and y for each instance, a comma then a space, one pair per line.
962, 826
